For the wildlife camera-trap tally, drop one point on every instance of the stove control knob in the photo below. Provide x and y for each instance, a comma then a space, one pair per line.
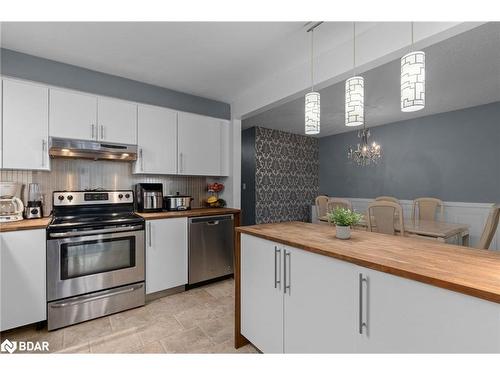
127, 196
120, 196
70, 198
61, 197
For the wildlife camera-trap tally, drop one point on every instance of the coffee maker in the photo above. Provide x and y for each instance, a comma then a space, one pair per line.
11, 207
149, 197
34, 208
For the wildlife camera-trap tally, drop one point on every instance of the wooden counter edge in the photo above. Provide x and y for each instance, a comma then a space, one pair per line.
434, 281
196, 212
26, 224
239, 339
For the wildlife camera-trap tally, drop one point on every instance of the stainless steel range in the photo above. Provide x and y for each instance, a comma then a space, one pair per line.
95, 256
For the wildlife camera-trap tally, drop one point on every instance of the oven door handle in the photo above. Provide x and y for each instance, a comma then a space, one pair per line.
95, 231
80, 300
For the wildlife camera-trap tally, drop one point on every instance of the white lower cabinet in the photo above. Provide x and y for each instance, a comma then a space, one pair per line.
332, 306
22, 278
319, 304
406, 316
261, 294
166, 254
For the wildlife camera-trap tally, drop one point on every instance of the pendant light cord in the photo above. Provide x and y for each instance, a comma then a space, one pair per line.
312, 60
411, 46
354, 49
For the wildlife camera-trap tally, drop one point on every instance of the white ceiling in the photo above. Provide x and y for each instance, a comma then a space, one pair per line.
462, 71
217, 60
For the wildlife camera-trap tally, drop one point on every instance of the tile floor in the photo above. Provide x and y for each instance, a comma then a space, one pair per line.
200, 320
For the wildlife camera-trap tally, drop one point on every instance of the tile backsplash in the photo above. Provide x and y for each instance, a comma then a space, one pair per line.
80, 174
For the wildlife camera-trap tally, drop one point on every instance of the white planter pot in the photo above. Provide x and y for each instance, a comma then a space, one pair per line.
344, 233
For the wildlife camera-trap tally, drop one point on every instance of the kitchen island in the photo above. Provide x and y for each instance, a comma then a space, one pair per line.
299, 289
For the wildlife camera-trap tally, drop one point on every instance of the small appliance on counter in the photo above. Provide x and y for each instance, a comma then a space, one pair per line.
34, 207
177, 202
149, 197
11, 207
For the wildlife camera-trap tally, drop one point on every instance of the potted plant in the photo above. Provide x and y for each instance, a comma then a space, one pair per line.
343, 218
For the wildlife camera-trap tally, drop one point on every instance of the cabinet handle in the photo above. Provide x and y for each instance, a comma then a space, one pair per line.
142, 160
277, 259
362, 323
94, 136
44, 149
287, 273
102, 131
150, 231
181, 162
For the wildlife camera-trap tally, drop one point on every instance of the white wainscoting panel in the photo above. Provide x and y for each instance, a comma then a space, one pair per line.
472, 214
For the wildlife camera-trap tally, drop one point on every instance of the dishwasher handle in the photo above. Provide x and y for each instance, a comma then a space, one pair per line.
210, 220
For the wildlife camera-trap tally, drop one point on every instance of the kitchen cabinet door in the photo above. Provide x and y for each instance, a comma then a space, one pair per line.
22, 278
225, 148
72, 115
157, 140
320, 304
166, 254
261, 296
199, 142
406, 316
25, 126
117, 120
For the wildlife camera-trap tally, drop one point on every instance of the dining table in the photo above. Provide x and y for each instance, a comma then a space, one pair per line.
439, 230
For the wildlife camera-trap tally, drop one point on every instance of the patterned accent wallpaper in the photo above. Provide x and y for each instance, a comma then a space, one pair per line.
287, 175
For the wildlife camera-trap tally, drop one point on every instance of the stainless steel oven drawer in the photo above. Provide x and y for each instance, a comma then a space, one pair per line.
73, 310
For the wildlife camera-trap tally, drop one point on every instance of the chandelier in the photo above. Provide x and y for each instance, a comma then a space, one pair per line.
365, 154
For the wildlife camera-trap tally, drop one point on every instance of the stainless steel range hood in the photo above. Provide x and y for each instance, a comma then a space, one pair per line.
73, 148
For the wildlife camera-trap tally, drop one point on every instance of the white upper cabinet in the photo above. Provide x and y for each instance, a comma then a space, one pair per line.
199, 145
72, 115
157, 140
117, 121
25, 126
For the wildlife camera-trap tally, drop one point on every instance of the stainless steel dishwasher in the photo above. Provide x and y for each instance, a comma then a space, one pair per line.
211, 245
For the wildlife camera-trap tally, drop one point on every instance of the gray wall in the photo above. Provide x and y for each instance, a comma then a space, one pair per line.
454, 156
248, 176
20, 65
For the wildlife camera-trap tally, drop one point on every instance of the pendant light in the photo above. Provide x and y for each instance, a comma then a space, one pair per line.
413, 79
354, 93
312, 99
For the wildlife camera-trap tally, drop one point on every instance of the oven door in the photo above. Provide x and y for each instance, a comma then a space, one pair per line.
92, 262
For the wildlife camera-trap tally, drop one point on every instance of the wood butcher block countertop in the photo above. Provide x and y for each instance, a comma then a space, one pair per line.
461, 269
25, 224
188, 213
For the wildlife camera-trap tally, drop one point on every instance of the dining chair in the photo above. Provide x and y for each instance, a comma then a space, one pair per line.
334, 203
321, 202
382, 217
387, 199
490, 228
425, 209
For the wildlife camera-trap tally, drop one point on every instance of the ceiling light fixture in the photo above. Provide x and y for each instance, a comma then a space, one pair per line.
413, 79
354, 93
312, 99
365, 154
